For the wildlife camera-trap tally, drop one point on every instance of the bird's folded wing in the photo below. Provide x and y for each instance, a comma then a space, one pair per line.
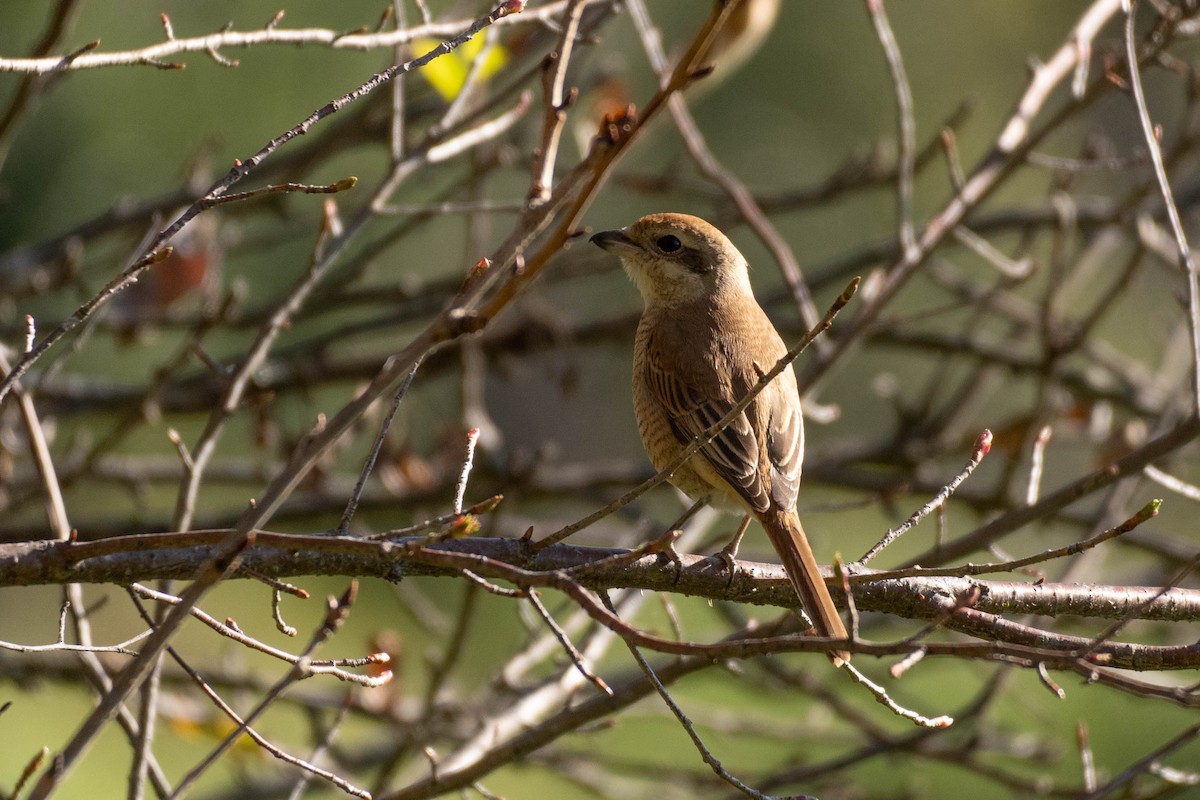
785, 442
734, 453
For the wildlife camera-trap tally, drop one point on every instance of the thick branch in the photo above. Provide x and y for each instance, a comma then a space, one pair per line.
134, 559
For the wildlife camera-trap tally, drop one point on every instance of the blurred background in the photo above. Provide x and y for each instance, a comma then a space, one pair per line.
100, 159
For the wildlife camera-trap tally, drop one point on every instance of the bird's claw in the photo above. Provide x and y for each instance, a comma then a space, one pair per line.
728, 555
671, 554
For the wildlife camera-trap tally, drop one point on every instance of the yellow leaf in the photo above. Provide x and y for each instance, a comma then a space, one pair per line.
448, 74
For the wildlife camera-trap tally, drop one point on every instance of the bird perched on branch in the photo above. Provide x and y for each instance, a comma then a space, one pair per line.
702, 344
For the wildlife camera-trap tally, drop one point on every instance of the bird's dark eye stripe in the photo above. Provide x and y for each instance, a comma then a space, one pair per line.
694, 260
669, 244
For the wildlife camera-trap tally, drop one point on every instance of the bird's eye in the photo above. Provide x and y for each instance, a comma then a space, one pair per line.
669, 244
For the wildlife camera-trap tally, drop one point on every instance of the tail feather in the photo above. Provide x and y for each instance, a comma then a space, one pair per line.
787, 536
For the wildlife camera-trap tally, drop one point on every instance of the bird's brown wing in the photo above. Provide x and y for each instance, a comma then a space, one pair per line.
785, 438
734, 453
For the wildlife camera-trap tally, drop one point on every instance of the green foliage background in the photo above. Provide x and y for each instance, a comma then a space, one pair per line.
816, 93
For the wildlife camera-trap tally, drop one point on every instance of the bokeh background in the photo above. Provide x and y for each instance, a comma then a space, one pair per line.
815, 97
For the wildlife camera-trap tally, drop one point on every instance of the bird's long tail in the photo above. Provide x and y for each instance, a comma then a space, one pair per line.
787, 536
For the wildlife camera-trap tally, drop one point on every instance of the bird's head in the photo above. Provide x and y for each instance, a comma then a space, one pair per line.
676, 259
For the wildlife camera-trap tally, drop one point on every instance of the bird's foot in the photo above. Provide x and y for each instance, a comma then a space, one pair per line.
729, 552
671, 554
728, 555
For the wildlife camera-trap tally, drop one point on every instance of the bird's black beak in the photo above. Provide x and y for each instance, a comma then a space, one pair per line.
615, 242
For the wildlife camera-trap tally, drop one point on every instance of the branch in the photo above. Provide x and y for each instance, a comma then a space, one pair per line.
155, 55
128, 559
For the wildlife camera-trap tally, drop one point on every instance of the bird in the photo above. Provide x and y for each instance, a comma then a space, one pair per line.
702, 343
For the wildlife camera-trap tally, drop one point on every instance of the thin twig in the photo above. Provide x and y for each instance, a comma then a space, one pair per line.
338, 608
1144, 764
882, 697
259, 739
155, 252
1131, 463
334, 668
686, 723
982, 446
555, 100
277, 615
721, 175
572, 652
1147, 512
125, 648
323, 745
1188, 490
460, 488
1164, 186
269, 35
376, 446
281, 188
1037, 462
905, 122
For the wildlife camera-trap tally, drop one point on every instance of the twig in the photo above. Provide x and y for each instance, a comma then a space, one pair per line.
460, 488
572, 652
1132, 463
307, 767
843, 578
644, 549
555, 100
705, 754
1164, 186
491, 588
1188, 490
1044, 676
905, 122
333, 668
31, 766
1015, 138
125, 648
277, 616
155, 252
902, 666
532, 715
373, 455
23, 99
949, 140
482, 507
1147, 512
1037, 462
882, 697
57, 514
718, 173
272, 35
1144, 764
275, 583
982, 446
1013, 270
1087, 760
322, 746
338, 608
280, 188
143, 750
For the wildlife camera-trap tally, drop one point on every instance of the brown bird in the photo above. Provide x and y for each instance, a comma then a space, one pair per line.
703, 342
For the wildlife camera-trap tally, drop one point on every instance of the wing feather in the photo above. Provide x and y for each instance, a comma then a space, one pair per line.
785, 445
734, 453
